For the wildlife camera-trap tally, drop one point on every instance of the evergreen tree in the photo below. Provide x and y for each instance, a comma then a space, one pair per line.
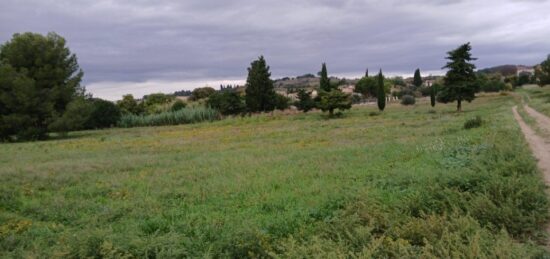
260, 94
417, 81
332, 100
305, 103
460, 80
542, 73
39, 77
325, 81
367, 73
381, 93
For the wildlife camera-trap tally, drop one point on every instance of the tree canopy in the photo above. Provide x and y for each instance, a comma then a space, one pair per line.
460, 79
260, 94
39, 77
542, 72
324, 82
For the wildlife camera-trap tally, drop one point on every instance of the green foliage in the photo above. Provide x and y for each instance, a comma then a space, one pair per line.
460, 80
129, 105
157, 99
39, 77
305, 103
104, 114
260, 95
183, 116
281, 102
227, 102
178, 105
523, 79
334, 100
399, 81
76, 116
324, 83
367, 86
542, 72
417, 80
201, 93
381, 94
408, 100
473, 123
490, 83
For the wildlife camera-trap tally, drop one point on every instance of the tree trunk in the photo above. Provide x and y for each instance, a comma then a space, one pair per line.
330, 112
459, 105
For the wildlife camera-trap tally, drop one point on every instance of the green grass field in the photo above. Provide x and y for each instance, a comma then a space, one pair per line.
538, 98
410, 182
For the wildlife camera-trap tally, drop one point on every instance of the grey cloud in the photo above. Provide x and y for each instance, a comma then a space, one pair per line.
169, 40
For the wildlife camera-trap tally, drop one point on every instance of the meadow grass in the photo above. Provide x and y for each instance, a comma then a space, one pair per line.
538, 98
183, 116
409, 182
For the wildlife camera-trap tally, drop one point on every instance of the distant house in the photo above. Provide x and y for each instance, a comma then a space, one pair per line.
525, 70
348, 89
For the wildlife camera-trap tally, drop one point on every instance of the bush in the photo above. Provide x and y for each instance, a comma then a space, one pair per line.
104, 114
183, 116
201, 93
408, 100
227, 102
305, 103
281, 102
178, 105
473, 123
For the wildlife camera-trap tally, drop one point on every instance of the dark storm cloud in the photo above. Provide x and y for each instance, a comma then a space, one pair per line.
122, 43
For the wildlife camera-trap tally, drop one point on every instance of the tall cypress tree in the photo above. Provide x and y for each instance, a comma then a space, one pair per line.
417, 81
367, 73
260, 94
325, 82
380, 92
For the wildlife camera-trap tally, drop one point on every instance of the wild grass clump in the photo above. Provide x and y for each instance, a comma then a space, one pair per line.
182, 116
473, 123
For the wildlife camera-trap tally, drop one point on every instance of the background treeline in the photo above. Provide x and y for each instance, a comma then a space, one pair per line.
41, 92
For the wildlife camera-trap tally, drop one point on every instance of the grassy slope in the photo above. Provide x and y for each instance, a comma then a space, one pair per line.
291, 185
539, 98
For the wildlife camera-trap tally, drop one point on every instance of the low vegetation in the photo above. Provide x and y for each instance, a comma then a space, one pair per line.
181, 116
405, 183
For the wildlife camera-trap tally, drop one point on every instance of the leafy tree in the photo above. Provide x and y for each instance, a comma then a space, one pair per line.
460, 80
417, 80
542, 72
333, 100
325, 81
523, 79
178, 105
201, 93
227, 102
260, 95
77, 114
39, 77
305, 103
367, 86
104, 114
129, 105
433, 94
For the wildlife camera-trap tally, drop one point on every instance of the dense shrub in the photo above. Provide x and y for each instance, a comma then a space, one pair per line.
178, 105
408, 100
104, 114
201, 93
184, 116
304, 103
281, 102
227, 102
473, 123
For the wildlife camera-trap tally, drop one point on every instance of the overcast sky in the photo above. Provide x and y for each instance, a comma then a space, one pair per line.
144, 46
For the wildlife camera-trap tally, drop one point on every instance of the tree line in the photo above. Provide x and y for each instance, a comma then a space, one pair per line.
41, 91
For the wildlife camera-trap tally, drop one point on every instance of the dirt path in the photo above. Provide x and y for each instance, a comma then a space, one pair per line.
540, 148
543, 122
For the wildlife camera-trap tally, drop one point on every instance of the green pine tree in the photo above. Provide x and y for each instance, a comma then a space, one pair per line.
433, 93
417, 81
325, 81
367, 73
460, 80
380, 92
260, 94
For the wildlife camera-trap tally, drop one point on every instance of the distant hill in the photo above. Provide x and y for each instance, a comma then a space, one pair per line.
506, 70
306, 81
